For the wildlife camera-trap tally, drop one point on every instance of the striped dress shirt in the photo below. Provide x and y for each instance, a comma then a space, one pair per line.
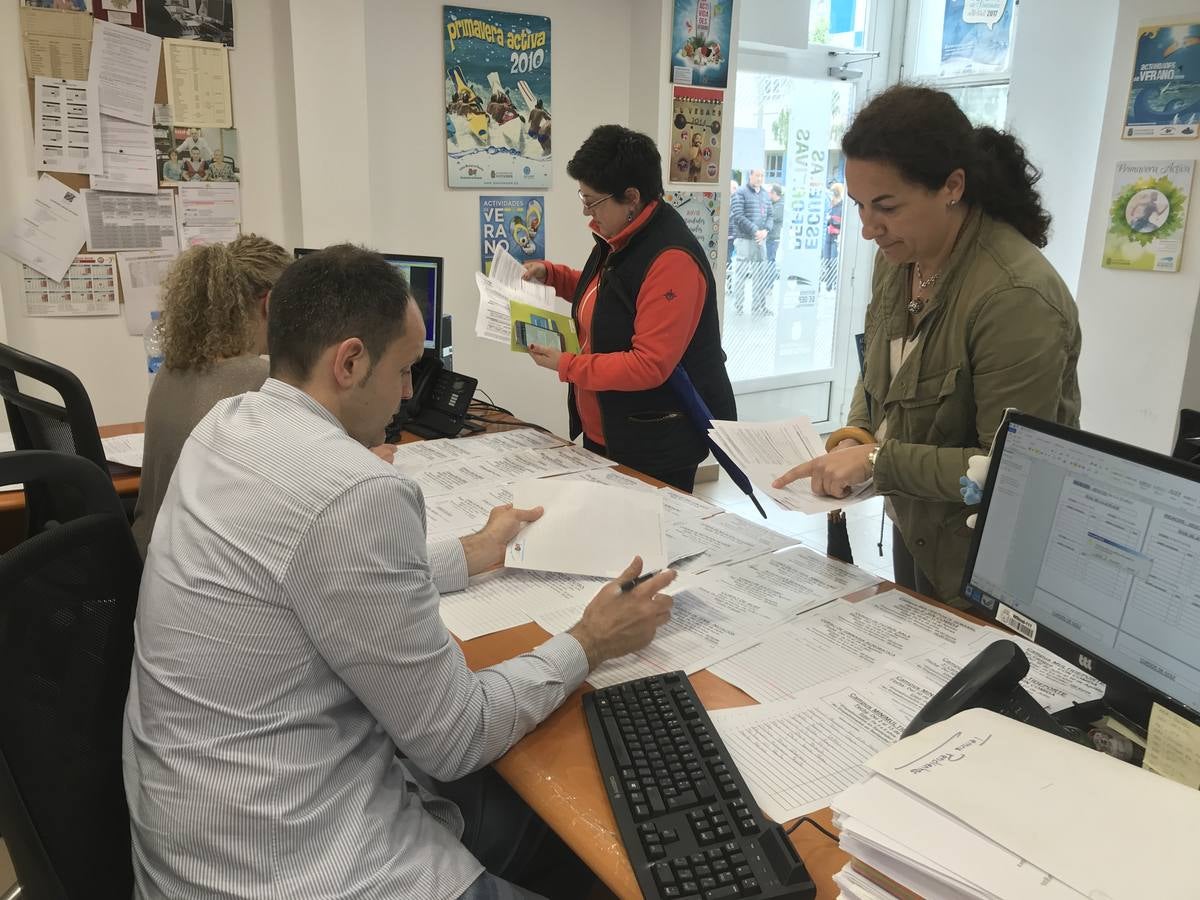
288, 642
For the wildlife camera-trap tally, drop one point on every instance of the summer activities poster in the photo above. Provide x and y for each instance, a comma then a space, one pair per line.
1148, 214
699, 42
1164, 92
497, 98
516, 225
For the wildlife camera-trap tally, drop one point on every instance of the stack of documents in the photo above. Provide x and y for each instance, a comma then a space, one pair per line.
506, 300
982, 806
765, 450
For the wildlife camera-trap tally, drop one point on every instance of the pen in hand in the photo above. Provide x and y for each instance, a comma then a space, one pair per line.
634, 582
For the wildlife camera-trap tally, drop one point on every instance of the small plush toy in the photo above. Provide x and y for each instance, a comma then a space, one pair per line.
971, 484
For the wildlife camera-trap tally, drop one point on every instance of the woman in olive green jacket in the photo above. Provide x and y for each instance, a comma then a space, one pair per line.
967, 318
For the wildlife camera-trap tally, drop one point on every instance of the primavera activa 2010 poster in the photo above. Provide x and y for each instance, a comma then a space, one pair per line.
1148, 214
497, 98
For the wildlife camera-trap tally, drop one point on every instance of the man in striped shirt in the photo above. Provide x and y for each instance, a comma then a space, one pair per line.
289, 640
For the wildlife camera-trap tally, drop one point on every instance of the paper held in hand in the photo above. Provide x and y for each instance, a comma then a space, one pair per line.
765, 450
519, 313
587, 529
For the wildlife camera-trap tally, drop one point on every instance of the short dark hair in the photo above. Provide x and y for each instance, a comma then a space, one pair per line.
615, 158
926, 136
327, 297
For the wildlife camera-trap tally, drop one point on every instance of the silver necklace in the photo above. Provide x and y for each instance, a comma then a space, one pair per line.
916, 304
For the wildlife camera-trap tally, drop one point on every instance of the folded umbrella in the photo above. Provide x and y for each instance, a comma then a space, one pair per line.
837, 537
698, 413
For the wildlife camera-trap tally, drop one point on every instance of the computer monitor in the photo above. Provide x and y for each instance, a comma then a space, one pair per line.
1091, 547
424, 277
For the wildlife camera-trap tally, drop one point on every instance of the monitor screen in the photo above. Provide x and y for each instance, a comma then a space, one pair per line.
424, 277
1092, 547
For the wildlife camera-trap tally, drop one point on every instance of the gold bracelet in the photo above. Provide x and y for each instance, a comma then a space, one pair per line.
850, 433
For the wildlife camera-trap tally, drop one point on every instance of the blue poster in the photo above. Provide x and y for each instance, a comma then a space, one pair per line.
1164, 93
700, 42
516, 225
497, 98
976, 36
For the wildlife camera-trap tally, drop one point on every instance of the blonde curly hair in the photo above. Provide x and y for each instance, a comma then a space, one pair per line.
210, 300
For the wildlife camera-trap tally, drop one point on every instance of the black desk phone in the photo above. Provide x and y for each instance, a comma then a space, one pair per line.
438, 406
992, 680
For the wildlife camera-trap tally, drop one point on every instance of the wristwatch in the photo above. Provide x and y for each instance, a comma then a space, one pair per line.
871, 460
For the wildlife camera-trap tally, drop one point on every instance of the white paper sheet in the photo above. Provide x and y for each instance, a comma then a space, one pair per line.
50, 231
125, 449
142, 275
67, 128
765, 450
587, 529
209, 213
130, 221
129, 162
796, 754
124, 67
420, 455
505, 468
837, 641
513, 596
493, 321
726, 538
463, 513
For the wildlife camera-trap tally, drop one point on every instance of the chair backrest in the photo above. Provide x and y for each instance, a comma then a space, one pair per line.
66, 644
39, 424
1187, 443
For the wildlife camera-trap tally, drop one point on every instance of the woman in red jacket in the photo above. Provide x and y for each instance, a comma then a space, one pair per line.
643, 304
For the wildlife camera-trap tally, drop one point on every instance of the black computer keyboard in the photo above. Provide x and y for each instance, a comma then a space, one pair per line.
686, 817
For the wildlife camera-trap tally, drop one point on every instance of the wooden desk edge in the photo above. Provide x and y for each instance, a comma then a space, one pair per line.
126, 481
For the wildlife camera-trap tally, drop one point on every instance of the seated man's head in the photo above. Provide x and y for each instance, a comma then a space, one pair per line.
344, 328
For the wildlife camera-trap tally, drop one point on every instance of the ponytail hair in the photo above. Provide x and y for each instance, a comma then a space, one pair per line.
925, 135
210, 300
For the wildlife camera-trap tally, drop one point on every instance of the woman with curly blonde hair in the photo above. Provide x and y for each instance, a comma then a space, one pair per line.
214, 323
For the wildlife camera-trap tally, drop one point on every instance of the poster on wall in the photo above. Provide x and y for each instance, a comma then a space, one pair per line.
1164, 91
696, 134
976, 36
1148, 214
497, 98
513, 224
699, 42
701, 210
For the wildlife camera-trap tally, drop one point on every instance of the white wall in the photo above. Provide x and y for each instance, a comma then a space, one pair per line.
110, 363
1138, 329
1062, 136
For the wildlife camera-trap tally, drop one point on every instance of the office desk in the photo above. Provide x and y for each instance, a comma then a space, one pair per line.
12, 503
554, 769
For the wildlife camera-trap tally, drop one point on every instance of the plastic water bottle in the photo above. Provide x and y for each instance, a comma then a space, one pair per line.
153, 341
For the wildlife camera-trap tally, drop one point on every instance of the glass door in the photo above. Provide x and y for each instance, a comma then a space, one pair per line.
785, 327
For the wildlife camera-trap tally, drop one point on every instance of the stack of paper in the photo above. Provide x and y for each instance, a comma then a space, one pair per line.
505, 299
982, 806
765, 450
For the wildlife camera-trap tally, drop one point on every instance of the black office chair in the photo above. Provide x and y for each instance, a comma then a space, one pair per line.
39, 424
1187, 443
66, 644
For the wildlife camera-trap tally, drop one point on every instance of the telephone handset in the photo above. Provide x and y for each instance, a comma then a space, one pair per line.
438, 406
992, 680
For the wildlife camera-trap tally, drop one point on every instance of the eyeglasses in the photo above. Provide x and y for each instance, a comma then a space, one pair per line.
588, 207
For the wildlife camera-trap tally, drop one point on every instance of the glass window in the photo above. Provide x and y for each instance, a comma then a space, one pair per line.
838, 23
959, 38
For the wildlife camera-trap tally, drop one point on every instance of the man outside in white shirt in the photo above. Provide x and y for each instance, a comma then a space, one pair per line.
288, 639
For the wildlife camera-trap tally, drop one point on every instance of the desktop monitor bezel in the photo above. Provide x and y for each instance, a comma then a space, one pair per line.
439, 263
1126, 695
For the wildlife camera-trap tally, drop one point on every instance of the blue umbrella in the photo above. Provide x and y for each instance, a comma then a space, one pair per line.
698, 412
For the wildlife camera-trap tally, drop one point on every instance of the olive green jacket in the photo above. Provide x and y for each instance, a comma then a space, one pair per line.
1000, 331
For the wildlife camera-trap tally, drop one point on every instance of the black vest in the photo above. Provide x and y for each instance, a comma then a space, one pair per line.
650, 428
